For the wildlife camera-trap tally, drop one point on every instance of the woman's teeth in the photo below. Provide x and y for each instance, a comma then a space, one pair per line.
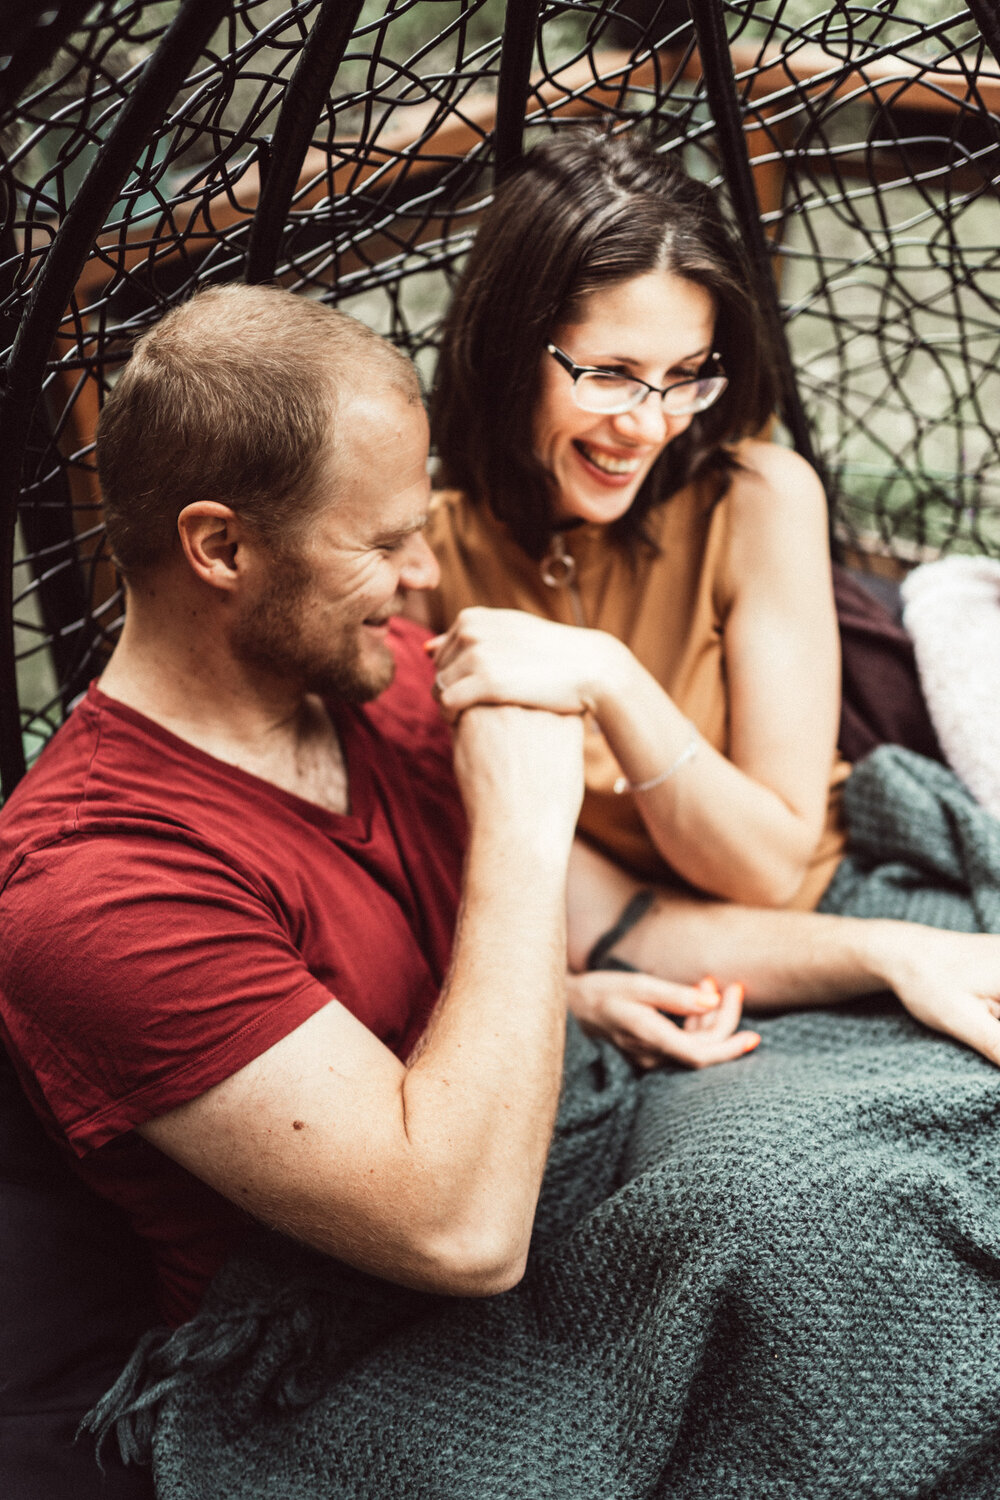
606, 463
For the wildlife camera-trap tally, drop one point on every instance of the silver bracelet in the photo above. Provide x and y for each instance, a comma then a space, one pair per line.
622, 783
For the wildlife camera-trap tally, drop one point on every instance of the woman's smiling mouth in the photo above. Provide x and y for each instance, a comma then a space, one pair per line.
606, 463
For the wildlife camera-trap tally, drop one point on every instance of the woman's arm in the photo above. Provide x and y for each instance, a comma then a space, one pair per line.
745, 827
949, 981
742, 828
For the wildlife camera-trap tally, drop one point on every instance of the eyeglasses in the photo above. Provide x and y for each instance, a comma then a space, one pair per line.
613, 394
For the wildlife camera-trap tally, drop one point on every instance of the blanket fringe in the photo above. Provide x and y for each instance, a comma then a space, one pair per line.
273, 1342
162, 1362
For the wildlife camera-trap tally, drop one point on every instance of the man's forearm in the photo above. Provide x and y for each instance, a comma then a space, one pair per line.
479, 1099
480, 1096
426, 1172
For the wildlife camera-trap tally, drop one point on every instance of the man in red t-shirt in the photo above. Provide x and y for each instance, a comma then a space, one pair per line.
230, 887
274, 944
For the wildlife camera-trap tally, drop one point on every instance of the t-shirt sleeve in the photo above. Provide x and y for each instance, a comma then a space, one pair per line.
137, 971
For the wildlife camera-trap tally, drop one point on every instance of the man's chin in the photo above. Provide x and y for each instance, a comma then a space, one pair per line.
368, 688
358, 681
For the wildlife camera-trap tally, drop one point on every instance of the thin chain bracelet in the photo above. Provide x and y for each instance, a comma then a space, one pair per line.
622, 783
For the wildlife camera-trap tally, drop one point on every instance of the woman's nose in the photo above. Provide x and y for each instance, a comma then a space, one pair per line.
647, 421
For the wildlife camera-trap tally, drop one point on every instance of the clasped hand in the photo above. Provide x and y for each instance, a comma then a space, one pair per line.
634, 1010
517, 767
509, 656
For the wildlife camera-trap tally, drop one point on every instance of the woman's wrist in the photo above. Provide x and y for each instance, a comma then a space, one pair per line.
613, 678
885, 951
644, 727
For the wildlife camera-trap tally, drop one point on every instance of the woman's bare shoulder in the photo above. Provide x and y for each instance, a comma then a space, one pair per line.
767, 473
775, 502
778, 523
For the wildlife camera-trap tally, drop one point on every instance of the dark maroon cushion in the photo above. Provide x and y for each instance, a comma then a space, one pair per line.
881, 700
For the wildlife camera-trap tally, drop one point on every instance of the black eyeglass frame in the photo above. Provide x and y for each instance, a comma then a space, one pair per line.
575, 371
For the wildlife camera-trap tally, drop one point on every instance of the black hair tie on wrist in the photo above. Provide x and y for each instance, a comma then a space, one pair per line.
600, 955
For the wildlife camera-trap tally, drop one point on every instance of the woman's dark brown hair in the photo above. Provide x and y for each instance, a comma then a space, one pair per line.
584, 211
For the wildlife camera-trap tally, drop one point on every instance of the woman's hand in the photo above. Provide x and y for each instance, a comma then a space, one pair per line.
508, 656
950, 981
632, 1011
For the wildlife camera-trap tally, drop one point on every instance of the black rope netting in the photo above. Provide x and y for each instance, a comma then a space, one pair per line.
346, 150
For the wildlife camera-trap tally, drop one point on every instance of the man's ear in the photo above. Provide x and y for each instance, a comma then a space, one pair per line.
211, 535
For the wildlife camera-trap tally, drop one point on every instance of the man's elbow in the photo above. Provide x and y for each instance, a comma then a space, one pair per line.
478, 1263
449, 1261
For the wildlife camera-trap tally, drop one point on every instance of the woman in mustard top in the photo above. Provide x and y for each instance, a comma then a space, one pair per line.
646, 558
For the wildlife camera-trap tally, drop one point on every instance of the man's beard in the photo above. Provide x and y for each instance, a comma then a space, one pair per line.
270, 637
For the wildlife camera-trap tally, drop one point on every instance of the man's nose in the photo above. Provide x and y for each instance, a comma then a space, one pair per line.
420, 567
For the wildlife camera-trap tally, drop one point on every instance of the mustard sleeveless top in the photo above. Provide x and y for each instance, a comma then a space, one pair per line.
666, 610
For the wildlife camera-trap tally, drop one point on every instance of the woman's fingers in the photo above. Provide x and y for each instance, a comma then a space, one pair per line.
472, 676
661, 994
713, 1037
475, 626
457, 693
723, 1019
633, 1011
603, 989
618, 1003
655, 1034
508, 656
701, 1051
711, 991
442, 648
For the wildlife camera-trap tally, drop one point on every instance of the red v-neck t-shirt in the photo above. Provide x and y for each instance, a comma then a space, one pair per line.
166, 918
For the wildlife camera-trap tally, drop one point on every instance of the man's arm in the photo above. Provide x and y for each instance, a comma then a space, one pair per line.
426, 1173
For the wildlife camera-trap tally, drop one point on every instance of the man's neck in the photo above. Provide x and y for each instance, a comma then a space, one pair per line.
192, 686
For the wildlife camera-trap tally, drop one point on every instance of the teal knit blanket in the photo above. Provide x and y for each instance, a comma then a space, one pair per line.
775, 1278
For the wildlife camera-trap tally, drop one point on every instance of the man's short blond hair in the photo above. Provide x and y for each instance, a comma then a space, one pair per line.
233, 396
